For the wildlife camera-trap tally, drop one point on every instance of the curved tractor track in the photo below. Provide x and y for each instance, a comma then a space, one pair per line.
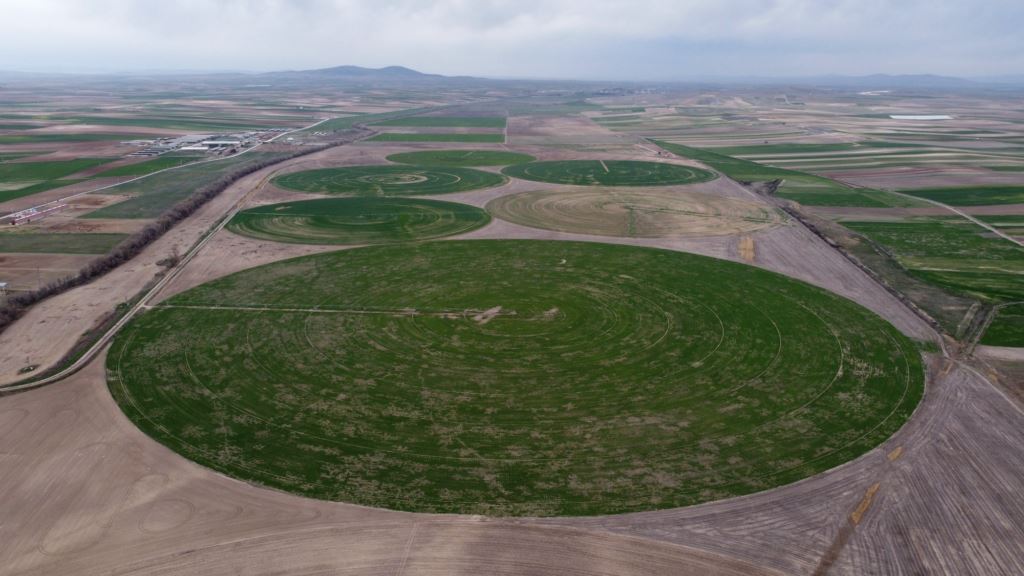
609, 173
389, 180
515, 377
357, 220
653, 213
461, 158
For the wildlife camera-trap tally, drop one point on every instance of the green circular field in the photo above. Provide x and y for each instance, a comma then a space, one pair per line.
389, 180
609, 173
514, 377
461, 158
634, 213
358, 220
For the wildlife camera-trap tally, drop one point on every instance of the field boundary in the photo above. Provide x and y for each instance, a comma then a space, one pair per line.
149, 293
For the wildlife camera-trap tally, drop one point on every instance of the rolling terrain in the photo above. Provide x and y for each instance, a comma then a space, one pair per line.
582, 330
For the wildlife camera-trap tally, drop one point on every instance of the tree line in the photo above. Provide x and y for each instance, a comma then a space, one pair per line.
18, 304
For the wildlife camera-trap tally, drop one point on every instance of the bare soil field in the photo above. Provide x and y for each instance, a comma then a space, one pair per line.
49, 329
1005, 366
435, 130
645, 214
1002, 210
56, 194
144, 132
578, 131
867, 213
925, 177
93, 225
228, 253
1000, 353
29, 271
70, 151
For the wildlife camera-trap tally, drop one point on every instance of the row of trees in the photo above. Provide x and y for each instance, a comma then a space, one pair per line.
130, 247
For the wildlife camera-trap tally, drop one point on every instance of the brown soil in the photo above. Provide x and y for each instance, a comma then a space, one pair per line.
227, 253
746, 249
925, 177
29, 271
53, 194
49, 329
143, 132
94, 225
87, 493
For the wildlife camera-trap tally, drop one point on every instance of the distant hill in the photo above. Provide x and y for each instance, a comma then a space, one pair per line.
361, 72
388, 74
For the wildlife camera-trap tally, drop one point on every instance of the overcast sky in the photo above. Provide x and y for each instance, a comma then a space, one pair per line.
590, 39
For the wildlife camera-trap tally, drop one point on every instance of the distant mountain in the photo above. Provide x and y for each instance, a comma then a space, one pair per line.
359, 74
400, 72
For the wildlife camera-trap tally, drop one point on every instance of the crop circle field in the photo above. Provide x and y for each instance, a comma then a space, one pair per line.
609, 173
461, 158
389, 180
358, 220
514, 377
648, 213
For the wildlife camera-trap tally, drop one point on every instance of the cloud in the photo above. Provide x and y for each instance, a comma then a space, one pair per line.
566, 38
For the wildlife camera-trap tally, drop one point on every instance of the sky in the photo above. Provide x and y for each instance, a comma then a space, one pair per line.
571, 39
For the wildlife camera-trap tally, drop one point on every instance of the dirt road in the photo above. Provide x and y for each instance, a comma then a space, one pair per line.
87, 493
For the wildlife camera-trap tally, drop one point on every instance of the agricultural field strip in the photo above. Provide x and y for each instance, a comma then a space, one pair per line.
37, 171
951, 163
974, 196
1005, 326
148, 166
495, 122
952, 255
466, 158
190, 165
59, 243
107, 336
348, 122
33, 138
880, 154
965, 216
495, 138
176, 123
909, 159
738, 168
